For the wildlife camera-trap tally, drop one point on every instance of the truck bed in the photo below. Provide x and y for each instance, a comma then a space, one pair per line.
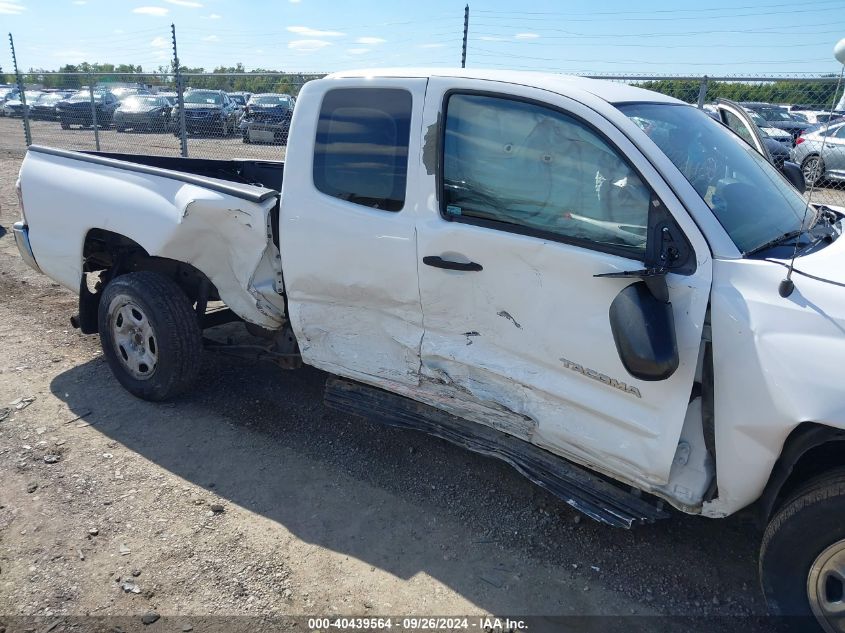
254, 180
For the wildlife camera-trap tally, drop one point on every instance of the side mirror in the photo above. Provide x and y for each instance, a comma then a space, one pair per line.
643, 329
794, 175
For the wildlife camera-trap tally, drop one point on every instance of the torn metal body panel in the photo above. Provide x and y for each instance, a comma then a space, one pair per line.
598, 499
215, 228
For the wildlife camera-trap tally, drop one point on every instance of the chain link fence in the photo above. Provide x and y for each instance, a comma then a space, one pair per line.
801, 118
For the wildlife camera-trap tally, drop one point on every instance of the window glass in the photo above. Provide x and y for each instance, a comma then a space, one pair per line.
840, 133
737, 125
750, 198
522, 167
361, 152
206, 98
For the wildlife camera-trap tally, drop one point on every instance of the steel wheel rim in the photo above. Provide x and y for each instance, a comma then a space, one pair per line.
812, 169
135, 341
826, 588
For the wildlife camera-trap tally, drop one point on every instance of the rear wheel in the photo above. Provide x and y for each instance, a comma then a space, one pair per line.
813, 169
802, 558
65, 125
150, 335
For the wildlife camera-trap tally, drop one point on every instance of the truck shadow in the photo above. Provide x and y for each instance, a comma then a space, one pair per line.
409, 504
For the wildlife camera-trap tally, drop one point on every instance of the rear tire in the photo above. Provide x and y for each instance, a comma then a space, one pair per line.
802, 557
813, 170
65, 125
150, 335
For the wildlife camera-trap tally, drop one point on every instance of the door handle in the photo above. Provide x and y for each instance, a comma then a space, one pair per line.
439, 262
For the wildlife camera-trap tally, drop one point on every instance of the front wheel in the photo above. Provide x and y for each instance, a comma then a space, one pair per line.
813, 170
150, 335
802, 558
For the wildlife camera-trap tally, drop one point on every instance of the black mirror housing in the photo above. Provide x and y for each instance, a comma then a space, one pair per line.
794, 175
644, 332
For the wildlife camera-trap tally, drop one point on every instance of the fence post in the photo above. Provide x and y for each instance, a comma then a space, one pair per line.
93, 111
180, 98
466, 33
702, 92
27, 133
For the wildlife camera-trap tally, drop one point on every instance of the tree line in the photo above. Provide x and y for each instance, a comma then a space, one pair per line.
236, 79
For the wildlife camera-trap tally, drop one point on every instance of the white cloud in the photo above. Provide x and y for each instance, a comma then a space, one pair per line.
211, 38
213, 16
159, 42
185, 3
432, 46
493, 38
307, 46
357, 51
157, 11
118, 31
11, 7
309, 32
526, 36
370, 40
294, 1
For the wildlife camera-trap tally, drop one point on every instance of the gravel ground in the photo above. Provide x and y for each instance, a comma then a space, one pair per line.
248, 497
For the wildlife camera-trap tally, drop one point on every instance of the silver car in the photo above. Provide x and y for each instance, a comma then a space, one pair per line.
819, 164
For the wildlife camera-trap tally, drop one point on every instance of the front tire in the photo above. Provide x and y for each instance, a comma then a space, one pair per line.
150, 335
802, 558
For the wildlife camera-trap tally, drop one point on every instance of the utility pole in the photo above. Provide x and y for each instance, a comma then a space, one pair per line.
19, 80
180, 94
93, 111
466, 32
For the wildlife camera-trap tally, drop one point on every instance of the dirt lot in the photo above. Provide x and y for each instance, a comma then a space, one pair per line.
248, 497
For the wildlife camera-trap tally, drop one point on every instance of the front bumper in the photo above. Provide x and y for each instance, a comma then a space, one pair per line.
21, 232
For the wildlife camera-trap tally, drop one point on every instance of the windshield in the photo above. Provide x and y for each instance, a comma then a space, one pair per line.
774, 114
747, 195
271, 100
49, 98
205, 98
85, 96
143, 102
239, 99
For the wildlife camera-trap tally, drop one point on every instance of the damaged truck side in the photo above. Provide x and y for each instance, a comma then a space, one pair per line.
578, 277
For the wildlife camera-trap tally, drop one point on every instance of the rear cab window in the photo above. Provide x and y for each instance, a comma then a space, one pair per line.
361, 150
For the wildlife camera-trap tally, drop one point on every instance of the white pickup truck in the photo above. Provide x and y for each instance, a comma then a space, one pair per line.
582, 278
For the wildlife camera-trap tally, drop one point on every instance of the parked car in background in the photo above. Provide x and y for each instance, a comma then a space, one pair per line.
774, 133
817, 163
240, 98
44, 107
778, 117
815, 116
14, 106
750, 127
144, 112
77, 109
209, 112
267, 118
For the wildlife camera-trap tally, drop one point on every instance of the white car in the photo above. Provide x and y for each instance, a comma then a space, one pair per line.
586, 279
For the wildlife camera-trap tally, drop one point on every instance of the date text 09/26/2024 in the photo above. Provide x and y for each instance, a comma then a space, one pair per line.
478, 623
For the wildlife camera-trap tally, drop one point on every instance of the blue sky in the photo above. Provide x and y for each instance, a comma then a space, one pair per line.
610, 36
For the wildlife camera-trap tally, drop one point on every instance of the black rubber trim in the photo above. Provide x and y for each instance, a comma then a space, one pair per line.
587, 492
250, 193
